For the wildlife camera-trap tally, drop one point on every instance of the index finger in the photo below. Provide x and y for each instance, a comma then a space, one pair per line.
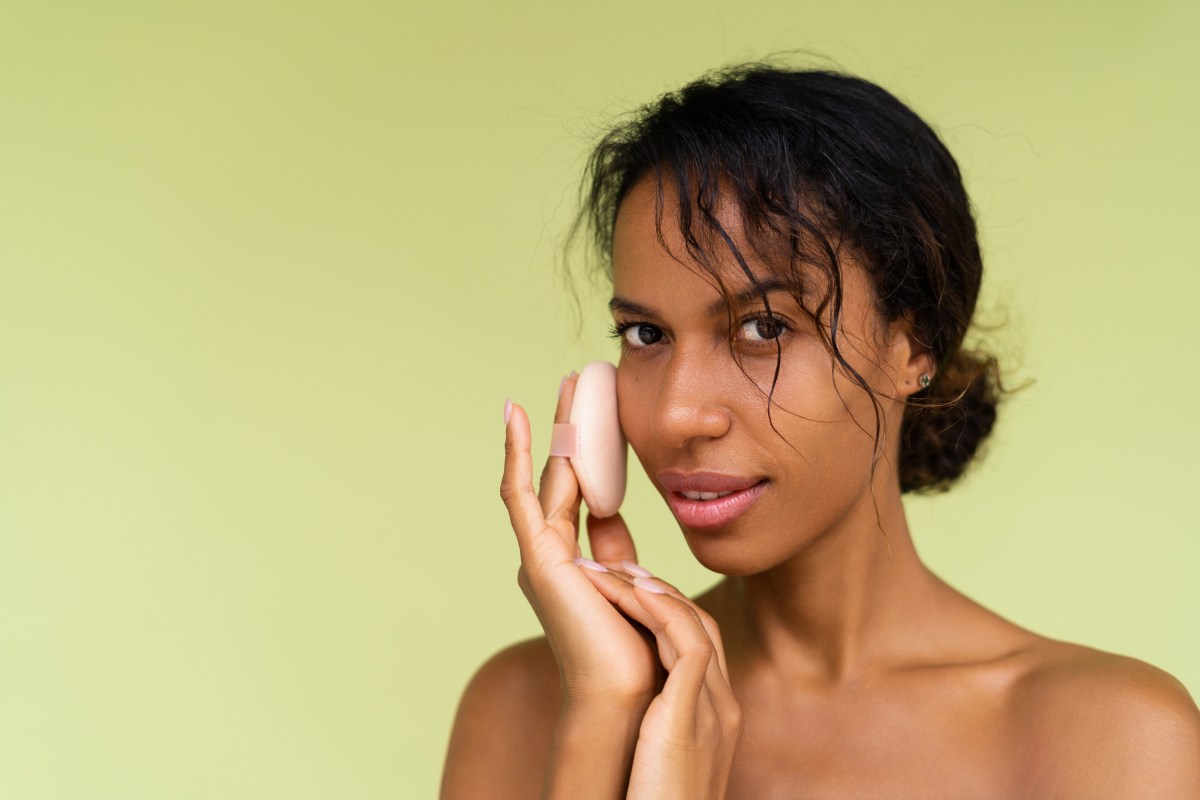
516, 486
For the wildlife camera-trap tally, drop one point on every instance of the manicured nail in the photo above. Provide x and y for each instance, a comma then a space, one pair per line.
587, 563
649, 585
507, 410
634, 569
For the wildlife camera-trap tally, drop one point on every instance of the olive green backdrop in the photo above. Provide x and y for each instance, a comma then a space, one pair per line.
269, 270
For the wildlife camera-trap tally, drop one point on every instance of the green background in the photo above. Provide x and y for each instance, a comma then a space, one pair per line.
269, 270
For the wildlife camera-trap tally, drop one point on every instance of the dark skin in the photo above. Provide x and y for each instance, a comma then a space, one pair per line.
830, 662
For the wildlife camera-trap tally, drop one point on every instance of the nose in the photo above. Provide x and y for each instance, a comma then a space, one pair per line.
690, 402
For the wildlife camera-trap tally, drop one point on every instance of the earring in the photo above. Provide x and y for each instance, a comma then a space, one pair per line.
924, 380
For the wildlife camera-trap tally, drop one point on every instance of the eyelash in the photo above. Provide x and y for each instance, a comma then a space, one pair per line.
617, 331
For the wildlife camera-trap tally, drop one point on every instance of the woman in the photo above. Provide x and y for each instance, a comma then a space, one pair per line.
794, 267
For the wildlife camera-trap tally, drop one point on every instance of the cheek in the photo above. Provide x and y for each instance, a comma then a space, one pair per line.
635, 399
628, 410
824, 414
817, 387
806, 390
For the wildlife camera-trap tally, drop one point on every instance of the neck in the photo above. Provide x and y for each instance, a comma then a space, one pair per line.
845, 606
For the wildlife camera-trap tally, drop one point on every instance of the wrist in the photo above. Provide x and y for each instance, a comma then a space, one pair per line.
605, 708
593, 753
611, 721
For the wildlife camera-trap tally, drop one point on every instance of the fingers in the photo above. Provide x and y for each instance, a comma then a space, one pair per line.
706, 620
539, 542
610, 539
676, 621
698, 658
516, 485
696, 701
558, 488
697, 698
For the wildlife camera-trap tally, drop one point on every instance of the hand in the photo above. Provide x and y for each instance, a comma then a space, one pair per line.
690, 731
603, 658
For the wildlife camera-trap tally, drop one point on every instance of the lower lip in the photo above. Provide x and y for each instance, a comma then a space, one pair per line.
713, 513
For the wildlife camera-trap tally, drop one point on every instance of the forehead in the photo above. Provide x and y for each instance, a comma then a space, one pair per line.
643, 265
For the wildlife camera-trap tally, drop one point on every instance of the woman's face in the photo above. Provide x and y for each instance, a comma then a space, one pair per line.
686, 406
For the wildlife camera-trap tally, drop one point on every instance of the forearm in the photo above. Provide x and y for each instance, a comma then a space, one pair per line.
592, 754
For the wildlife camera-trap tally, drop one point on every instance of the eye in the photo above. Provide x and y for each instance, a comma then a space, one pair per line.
763, 329
635, 335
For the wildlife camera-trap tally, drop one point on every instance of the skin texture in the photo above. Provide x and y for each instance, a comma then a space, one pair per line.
830, 661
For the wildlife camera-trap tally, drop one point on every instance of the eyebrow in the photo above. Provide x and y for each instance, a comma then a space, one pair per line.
765, 286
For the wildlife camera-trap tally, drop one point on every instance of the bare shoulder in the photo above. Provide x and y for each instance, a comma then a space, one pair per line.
1070, 681
504, 727
1096, 724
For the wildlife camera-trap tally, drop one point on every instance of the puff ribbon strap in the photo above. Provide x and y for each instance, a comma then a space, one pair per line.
565, 440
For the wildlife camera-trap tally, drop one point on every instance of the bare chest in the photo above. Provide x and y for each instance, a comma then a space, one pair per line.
922, 744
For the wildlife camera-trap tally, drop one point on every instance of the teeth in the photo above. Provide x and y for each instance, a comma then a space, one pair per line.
705, 495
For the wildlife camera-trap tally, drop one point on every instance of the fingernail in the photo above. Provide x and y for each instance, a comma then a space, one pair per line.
574, 374
561, 384
635, 569
649, 585
587, 563
507, 410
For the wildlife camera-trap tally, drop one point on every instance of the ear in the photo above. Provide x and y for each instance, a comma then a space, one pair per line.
909, 357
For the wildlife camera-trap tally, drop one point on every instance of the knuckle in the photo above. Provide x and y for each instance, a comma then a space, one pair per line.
705, 617
628, 685
731, 720
683, 612
511, 489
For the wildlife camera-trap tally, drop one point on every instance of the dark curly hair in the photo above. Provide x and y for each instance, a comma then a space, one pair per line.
817, 159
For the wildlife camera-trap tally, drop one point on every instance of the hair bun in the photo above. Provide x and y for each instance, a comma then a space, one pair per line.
947, 422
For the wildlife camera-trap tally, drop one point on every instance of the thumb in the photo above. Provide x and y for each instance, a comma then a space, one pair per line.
610, 539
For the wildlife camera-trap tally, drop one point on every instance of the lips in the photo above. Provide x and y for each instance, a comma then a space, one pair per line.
714, 513
739, 492
676, 481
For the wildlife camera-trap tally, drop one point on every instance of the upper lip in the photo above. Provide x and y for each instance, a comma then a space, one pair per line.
677, 481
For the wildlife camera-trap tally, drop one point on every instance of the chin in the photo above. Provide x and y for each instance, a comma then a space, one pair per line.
727, 554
